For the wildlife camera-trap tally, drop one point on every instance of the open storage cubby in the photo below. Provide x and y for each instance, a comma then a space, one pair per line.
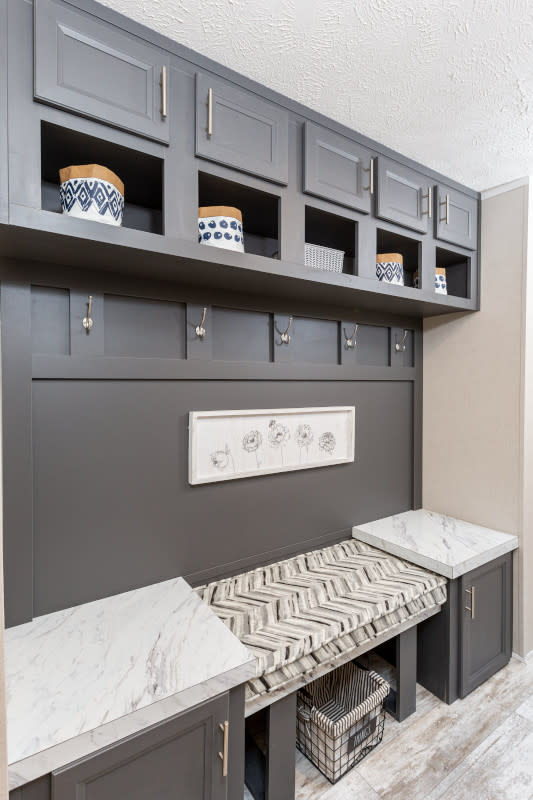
392, 242
457, 268
331, 230
141, 173
260, 211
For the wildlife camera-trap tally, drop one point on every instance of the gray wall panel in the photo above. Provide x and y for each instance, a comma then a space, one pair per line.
114, 510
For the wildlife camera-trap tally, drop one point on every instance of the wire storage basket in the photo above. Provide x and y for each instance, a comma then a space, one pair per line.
326, 258
340, 718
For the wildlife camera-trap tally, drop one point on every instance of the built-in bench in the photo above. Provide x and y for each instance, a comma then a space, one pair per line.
307, 615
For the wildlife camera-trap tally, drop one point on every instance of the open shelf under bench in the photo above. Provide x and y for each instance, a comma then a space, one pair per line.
38, 235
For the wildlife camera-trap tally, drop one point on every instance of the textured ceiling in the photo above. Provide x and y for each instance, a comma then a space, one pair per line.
447, 82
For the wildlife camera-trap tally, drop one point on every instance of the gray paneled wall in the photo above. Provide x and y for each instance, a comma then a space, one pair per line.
105, 446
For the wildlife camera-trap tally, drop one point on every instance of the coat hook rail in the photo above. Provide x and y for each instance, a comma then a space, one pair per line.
400, 346
87, 321
285, 337
200, 330
351, 341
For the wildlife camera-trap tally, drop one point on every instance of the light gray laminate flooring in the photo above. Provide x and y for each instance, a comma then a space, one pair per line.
480, 747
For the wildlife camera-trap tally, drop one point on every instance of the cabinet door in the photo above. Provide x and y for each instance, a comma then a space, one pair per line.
90, 67
175, 759
239, 129
403, 195
486, 622
336, 168
456, 218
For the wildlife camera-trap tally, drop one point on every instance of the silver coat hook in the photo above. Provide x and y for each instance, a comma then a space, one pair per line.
351, 341
200, 330
87, 321
285, 338
400, 346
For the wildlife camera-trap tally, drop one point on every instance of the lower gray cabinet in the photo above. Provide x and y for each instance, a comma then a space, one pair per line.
485, 614
470, 639
175, 760
456, 218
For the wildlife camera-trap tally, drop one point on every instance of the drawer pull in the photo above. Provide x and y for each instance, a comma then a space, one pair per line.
163, 85
209, 112
429, 196
445, 203
370, 170
224, 727
472, 606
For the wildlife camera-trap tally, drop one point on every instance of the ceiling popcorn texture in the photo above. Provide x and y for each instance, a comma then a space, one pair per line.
447, 82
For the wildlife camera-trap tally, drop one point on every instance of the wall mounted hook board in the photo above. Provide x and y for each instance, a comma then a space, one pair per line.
200, 330
285, 336
87, 321
351, 341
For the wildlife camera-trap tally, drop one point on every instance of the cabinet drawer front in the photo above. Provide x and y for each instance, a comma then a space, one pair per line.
177, 758
336, 168
456, 218
88, 66
486, 622
402, 195
237, 128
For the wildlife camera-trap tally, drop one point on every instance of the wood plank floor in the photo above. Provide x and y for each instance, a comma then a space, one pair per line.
480, 747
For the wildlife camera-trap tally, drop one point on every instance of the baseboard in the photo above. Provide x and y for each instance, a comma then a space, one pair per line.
524, 659
269, 557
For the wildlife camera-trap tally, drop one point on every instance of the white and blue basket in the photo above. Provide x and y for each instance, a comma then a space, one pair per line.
221, 226
389, 268
91, 192
441, 286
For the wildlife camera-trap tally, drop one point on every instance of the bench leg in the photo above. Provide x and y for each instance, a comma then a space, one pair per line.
405, 644
281, 749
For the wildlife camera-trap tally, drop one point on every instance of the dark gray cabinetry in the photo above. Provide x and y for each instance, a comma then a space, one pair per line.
465, 644
176, 759
90, 67
456, 218
337, 168
485, 615
403, 195
240, 129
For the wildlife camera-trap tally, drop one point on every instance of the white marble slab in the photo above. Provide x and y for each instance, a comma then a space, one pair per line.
68, 673
447, 546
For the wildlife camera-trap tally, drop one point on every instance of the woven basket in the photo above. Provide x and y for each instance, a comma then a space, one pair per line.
340, 719
325, 258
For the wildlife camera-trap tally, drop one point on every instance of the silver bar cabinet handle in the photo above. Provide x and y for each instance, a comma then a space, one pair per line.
429, 196
163, 85
209, 112
224, 727
472, 606
447, 209
370, 170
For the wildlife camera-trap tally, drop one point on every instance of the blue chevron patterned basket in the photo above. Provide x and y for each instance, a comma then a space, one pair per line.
389, 268
93, 193
340, 718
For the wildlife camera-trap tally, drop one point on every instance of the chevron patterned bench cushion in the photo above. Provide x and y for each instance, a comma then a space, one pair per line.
296, 613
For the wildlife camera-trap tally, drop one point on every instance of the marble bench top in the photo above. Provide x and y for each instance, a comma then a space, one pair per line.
447, 546
80, 679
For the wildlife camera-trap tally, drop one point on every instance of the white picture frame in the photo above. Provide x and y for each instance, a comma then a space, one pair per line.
228, 445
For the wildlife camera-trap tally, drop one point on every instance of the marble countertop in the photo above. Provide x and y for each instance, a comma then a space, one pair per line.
447, 546
80, 679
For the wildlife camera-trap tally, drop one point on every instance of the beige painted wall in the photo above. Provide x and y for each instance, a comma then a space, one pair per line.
474, 386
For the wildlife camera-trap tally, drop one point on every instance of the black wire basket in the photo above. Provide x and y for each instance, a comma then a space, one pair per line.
340, 719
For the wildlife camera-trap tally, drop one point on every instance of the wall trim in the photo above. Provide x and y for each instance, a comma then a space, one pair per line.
527, 659
505, 187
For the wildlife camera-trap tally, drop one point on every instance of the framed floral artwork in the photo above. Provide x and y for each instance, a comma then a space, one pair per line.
226, 445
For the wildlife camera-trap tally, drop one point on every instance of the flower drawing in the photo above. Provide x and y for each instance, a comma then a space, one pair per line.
251, 442
220, 459
304, 435
278, 435
327, 442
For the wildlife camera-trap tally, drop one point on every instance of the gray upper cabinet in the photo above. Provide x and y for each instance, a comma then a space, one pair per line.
337, 168
403, 195
456, 218
92, 68
175, 759
486, 622
239, 129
